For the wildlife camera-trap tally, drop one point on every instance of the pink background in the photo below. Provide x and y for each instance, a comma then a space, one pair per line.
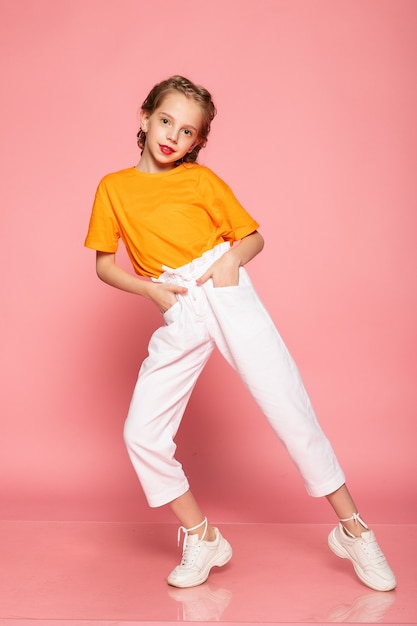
316, 134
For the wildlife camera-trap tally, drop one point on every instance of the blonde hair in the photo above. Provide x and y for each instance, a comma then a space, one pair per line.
190, 90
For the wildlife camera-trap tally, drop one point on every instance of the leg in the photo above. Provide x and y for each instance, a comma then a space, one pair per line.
249, 340
190, 516
344, 507
177, 354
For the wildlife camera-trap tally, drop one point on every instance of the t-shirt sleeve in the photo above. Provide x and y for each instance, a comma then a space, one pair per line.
231, 219
237, 222
103, 231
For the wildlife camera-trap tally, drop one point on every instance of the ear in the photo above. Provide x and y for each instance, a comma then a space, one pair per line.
144, 120
197, 143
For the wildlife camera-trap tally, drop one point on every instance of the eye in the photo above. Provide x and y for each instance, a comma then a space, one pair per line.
187, 132
164, 120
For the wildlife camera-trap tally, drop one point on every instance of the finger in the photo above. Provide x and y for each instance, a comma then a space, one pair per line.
203, 279
179, 289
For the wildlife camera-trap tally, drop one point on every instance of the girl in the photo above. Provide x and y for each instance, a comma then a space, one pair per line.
179, 223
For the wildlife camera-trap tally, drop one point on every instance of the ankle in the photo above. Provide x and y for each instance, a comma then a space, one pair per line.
206, 534
203, 530
353, 530
354, 526
210, 534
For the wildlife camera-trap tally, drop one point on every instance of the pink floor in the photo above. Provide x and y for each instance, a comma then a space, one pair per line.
108, 574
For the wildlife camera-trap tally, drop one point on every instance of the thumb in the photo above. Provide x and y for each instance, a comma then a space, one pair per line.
204, 278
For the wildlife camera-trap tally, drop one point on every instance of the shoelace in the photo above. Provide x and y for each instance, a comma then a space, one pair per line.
188, 530
190, 551
357, 518
373, 552
190, 554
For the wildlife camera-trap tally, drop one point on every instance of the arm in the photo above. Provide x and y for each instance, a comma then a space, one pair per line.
161, 294
225, 271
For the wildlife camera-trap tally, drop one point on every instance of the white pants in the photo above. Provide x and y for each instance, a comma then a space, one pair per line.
234, 320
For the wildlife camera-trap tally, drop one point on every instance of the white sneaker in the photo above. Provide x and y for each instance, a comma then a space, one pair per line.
366, 556
198, 558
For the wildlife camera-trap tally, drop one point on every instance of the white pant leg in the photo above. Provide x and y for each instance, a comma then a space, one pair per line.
247, 337
178, 352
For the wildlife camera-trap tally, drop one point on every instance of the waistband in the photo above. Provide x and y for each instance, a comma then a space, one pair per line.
194, 269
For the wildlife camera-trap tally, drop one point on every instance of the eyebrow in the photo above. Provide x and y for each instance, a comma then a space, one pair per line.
170, 116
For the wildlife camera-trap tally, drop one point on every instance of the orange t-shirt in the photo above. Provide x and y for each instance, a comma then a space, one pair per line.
168, 218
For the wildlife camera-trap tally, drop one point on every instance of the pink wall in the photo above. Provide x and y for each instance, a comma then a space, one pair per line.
316, 133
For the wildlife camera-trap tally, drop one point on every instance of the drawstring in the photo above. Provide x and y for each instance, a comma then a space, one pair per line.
357, 518
188, 530
193, 270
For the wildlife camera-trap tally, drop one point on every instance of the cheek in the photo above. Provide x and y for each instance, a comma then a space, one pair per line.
187, 141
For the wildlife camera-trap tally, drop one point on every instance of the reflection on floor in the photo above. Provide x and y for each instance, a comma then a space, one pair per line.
111, 574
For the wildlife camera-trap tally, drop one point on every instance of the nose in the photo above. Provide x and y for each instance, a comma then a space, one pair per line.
172, 134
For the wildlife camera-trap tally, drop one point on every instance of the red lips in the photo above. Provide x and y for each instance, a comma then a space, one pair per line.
166, 150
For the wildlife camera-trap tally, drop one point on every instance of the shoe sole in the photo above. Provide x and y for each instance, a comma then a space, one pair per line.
219, 561
342, 553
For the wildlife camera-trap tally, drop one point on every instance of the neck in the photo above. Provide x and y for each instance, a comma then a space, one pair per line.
151, 167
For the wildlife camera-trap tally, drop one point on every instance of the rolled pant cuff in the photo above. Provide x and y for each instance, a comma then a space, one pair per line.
329, 487
166, 497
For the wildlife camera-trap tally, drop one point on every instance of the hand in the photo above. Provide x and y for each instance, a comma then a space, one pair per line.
224, 272
164, 294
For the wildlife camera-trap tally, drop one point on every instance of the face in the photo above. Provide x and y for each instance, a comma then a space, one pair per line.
172, 131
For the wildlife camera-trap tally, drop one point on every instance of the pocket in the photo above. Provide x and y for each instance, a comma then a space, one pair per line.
235, 296
244, 281
238, 305
171, 314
